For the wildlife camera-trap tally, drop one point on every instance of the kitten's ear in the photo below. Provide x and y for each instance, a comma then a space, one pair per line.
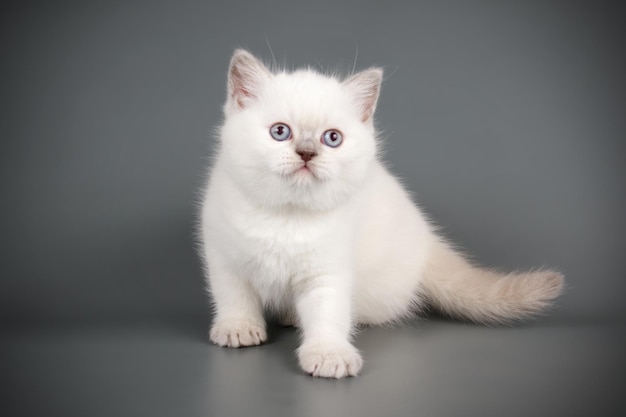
365, 88
245, 76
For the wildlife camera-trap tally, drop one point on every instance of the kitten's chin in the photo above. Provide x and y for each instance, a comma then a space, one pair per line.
302, 188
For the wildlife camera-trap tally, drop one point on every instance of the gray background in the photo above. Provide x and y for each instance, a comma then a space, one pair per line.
506, 119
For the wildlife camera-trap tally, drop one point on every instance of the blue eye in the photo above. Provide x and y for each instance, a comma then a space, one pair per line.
332, 138
280, 131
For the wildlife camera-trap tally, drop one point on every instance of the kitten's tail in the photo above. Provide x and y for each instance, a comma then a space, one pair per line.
455, 287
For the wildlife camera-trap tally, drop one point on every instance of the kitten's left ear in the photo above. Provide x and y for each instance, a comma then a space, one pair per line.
245, 76
365, 88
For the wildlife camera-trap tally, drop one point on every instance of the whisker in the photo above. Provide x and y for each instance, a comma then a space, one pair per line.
356, 55
267, 41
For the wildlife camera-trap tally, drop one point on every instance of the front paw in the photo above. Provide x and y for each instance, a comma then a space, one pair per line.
329, 360
237, 333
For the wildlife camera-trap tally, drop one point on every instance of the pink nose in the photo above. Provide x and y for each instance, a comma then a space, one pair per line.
306, 155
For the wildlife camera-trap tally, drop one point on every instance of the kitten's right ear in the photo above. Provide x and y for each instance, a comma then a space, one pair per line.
245, 76
365, 88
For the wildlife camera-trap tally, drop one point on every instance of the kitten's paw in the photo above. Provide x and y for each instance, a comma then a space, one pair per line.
237, 333
330, 360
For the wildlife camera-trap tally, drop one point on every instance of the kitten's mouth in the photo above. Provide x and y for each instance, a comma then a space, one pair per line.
305, 170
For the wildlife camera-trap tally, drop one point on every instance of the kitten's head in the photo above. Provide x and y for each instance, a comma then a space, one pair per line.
298, 139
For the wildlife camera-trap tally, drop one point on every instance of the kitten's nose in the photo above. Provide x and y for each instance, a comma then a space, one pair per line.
306, 156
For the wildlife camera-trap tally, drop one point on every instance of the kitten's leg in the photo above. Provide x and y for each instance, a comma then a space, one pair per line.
238, 312
287, 317
324, 314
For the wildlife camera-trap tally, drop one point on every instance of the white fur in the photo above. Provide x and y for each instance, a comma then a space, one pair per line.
334, 245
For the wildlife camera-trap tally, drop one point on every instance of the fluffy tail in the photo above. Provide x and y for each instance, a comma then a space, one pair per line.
455, 287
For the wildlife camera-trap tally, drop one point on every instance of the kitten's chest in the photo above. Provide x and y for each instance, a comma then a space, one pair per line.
274, 242
280, 247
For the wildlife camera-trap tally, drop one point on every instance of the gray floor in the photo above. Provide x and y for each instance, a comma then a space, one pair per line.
506, 119
556, 367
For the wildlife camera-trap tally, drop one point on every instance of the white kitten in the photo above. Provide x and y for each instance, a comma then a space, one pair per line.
302, 219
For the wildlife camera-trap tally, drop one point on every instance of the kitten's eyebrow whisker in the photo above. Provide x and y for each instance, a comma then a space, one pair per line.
392, 72
267, 41
356, 55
